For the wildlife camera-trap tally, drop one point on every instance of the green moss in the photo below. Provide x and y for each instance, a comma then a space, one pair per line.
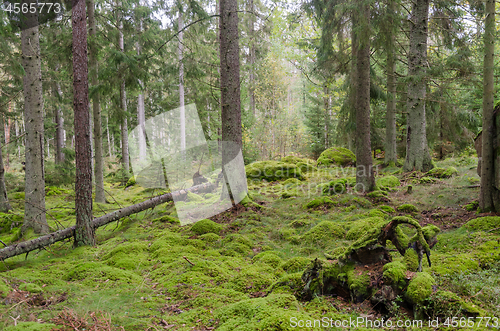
484, 223
361, 227
430, 231
290, 182
32, 326
323, 232
387, 182
167, 219
337, 186
336, 156
442, 172
93, 272
420, 287
445, 303
377, 194
424, 180
4, 288
394, 273
407, 208
131, 182
300, 223
376, 213
306, 167
321, 201
362, 202
210, 237
295, 264
268, 258
411, 260
359, 282
292, 159
7, 221
19, 195
193, 197
272, 171
288, 283
472, 206
30, 287
206, 226
387, 209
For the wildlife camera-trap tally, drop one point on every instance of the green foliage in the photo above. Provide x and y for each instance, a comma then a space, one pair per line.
206, 226
338, 156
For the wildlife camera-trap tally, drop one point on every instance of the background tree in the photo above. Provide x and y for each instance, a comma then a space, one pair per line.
84, 232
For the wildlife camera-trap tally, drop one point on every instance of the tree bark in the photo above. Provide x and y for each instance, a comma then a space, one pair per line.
251, 76
417, 149
123, 102
181, 83
365, 178
141, 114
96, 106
84, 232
390, 117
58, 117
4, 201
34, 210
230, 78
30, 245
489, 195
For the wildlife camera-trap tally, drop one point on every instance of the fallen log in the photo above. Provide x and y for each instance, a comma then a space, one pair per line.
48, 239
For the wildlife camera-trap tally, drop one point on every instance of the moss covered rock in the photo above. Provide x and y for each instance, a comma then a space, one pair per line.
387, 209
268, 258
362, 226
484, 223
318, 202
272, 171
420, 287
323, 232
131, 181
295, 264
407, 208
167, 219
338, 156
387, 182
442, 172
206, 226
394, 273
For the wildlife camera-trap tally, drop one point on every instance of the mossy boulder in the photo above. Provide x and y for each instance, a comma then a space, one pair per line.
420, 287
324, 232
387, 182
377, 194
407, 208
272, 171
387, 209
362, 226
394, 273
306, 167
359, 283
295, 264
318, 202
268, 258
131, 181
484, 223
337, 186
337, 156
167, 219
206, 226
442, 172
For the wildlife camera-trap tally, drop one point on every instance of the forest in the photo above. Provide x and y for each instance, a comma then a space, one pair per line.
249, 165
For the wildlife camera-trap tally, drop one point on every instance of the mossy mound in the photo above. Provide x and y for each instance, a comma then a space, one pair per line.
167, 219
8, 221
472, 206
318, 202
361, 227
394, 273
387, 182
387, 209
324, 232
442, 172
291, 182
306, 167
30, 287
54, 190
484, 223
420, 287
407, 208
337, 186
446, 303
411, 260
93, 273
272, 171
210, 237
268, 258
295, 264
206, 226
131, 182
338, 156
377, 194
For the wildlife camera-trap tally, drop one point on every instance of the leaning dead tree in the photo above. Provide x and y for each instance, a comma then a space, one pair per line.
40, 242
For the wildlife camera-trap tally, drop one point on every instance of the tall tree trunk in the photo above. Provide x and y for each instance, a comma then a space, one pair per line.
230, 81
364, 169
123, 102
84, 232
141, 113
8, 126
4, 201
181, 83
417, 149
34, 210
58, 117
96, 106
489, 196
351, 136
251, 76
390, 117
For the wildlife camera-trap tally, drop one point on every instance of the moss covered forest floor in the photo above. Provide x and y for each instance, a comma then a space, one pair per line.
243, 272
